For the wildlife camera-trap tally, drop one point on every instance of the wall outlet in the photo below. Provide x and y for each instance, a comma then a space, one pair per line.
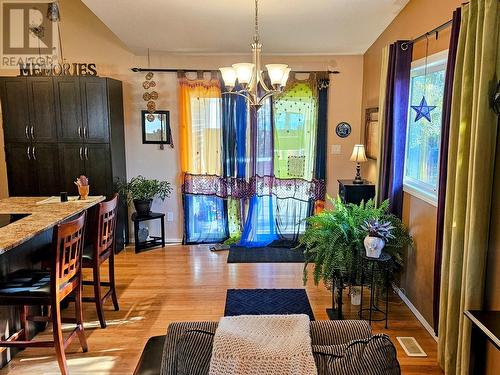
170, 216
336, 149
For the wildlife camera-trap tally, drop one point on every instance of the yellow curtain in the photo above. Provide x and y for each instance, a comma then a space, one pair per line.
200, 121
472, 149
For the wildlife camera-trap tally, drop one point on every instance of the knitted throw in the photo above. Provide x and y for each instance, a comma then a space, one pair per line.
263, 345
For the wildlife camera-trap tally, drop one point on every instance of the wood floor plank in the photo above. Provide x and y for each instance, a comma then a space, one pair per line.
189, 283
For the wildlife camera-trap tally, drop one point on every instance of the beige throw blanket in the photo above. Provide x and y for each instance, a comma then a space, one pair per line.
263, 345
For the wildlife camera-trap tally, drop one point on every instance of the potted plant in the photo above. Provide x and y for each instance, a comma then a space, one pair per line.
378, 232
333, 241
141, 192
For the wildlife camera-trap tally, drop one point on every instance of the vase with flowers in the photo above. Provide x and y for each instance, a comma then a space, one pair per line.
378, 232
82, 183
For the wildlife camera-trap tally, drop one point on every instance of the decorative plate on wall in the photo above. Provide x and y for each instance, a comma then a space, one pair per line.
343, 129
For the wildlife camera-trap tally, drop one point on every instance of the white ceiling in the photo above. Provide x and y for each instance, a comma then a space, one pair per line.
226, 26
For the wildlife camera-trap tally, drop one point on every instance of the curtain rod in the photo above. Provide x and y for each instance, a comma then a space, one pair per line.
435, 30
164, 70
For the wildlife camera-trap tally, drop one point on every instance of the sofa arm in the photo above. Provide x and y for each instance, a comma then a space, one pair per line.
335, 332
150, 361
174, 332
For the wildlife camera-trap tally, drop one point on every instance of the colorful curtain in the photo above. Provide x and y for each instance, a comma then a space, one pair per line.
200, 121
472, 150
396, 112
273, 163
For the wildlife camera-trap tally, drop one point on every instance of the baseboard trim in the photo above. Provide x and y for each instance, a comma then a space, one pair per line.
167, 240
415, 312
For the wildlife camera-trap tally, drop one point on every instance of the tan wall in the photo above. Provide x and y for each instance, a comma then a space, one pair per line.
87, 39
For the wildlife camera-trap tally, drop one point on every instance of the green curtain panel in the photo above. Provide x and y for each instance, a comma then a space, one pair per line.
472, 148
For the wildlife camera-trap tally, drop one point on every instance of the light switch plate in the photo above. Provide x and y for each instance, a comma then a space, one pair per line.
336, 149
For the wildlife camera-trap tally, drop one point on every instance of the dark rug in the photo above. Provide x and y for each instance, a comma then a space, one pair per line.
267, 302
266, 254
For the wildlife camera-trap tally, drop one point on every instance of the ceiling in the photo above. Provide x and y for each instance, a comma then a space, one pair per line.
226, 26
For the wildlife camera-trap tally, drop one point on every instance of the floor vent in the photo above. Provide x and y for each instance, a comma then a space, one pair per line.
411, 347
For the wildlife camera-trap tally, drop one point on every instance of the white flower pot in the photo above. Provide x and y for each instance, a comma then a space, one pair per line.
373, 246
355, 295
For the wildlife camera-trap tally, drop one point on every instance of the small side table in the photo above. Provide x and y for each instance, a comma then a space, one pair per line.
368, 264
155, 240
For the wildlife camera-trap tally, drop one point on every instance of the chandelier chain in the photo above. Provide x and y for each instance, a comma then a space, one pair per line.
256, 35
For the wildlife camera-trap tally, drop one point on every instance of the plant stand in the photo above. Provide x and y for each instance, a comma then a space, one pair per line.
155, 240
336, 314
368, 264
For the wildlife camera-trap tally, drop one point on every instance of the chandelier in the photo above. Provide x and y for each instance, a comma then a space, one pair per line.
249, 75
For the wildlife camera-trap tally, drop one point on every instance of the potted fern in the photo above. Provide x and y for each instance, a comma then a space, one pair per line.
334, 240
141, 192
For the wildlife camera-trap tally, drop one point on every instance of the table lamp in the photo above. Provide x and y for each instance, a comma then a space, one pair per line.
359, 156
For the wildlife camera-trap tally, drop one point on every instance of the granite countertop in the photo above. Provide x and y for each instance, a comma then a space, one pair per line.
42, 216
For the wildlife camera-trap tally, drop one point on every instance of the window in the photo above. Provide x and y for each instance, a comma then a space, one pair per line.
423, 137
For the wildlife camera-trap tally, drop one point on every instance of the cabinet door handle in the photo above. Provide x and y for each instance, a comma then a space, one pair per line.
26, 131
33, 153
86, 153
79, 132
84, 132
32, 131
28, 153
81, 150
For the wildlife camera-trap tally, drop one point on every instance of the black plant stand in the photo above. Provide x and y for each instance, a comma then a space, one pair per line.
336, 314
368, 264
155, 240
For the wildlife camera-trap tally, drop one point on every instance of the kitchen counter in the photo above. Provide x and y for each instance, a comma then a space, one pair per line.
43, 216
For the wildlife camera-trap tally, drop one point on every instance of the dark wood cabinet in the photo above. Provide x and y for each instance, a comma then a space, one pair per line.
42, 124
68, 109
58, 128
15, 109
350, 192
95, 110
19, 169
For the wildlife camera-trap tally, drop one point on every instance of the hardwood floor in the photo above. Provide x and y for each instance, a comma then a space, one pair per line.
188, 283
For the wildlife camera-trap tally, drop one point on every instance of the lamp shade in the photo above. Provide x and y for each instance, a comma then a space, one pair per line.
358, 154
284, 80
276, 72
228, 76
244, 72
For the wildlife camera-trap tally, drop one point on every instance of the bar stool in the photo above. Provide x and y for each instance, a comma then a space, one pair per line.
103, 233
32, 287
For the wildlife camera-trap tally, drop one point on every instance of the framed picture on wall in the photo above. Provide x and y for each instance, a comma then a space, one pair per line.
156, 128
371, 133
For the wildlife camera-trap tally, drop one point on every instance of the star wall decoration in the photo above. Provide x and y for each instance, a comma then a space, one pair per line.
423, 110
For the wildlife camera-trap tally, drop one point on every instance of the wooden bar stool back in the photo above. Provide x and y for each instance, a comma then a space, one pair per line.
102, 249
43, 288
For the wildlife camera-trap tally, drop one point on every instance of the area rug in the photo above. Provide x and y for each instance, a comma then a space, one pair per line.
267, 302
266, 254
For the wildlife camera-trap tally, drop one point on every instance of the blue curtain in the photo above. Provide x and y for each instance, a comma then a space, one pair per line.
260, 224
205, 219
396, 112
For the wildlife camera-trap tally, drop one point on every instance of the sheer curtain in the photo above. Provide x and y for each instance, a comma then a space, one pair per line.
200, 120
295, 127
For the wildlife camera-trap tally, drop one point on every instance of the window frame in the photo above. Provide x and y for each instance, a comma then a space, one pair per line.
412, 186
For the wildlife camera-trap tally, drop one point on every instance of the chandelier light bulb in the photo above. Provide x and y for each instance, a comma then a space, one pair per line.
244, 72
228, 76
284, 80
276, 73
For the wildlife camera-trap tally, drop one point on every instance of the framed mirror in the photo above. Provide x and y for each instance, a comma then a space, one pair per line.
156, 128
